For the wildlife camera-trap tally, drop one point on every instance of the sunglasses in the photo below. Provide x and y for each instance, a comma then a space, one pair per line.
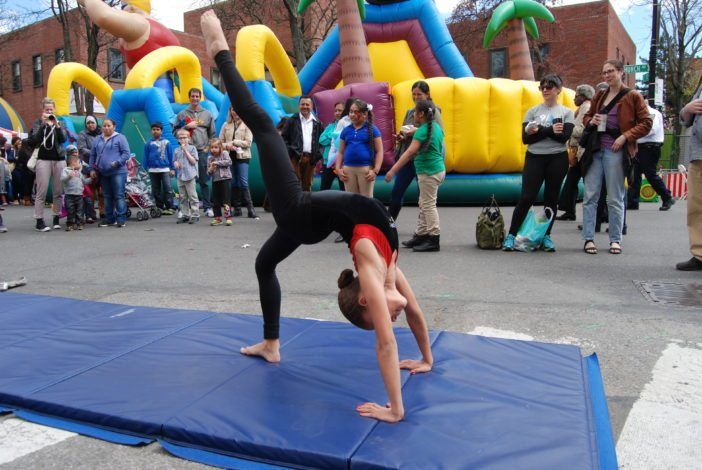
546, 87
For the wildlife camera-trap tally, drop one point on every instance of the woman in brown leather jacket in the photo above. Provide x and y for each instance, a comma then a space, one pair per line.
620, 117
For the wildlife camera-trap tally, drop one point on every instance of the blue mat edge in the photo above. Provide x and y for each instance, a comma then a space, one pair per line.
215, 459
603, 430
84, 429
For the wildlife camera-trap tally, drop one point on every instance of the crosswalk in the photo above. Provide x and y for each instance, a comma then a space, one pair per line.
662, 431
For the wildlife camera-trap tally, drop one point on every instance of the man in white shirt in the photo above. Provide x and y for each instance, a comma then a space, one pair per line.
646, 162
301, 135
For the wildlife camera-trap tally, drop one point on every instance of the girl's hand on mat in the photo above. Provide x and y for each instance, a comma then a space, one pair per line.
415, 367
381, 413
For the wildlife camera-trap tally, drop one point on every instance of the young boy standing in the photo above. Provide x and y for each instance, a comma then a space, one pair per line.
185, 161
158, 161
73, 181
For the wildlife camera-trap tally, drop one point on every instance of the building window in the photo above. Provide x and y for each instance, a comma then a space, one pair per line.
59, 56
16, 76
37, 75
115, 65
216, 79
498, 63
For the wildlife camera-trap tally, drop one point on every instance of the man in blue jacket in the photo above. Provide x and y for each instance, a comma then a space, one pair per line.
158, 161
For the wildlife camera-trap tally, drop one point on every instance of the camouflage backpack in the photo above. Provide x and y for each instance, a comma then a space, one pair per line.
490, 229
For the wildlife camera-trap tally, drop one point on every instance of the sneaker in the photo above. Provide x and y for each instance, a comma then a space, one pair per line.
667, 204
121, 224
693, 264
194, 220
3, 229
547, 244
229, 222
566, 216
40, 226
167, 212
56, 225
69, 228
180, 214
80, 227
508, 244
209, 213
103, 223
216, 222
89, 220
183, 220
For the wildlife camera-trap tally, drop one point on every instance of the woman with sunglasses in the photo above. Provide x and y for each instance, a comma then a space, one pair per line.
375, 298
546, 130
620, 117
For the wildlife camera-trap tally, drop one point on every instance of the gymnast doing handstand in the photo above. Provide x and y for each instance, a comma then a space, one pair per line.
373, 299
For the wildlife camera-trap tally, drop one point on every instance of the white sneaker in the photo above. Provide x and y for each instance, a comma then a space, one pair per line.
180, 215
209, 213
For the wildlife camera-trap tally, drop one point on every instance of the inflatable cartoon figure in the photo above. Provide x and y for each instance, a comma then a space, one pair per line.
138, 33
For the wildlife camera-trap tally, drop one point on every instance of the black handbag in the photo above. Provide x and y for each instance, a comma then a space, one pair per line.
490, 229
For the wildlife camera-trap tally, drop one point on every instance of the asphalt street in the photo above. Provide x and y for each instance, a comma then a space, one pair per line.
567, 296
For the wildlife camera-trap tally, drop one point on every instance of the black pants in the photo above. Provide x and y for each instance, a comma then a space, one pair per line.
203, 180
74, 207
548, 170
646, 163
221, 194
162, 190
301, 217
403, 180
328, 177
569, 193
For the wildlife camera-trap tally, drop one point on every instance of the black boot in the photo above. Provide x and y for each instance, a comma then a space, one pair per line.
667, 204
430, 243
236, 202
249, 203
415, 240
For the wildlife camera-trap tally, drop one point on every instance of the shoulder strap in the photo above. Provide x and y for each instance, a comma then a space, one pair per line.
613, 103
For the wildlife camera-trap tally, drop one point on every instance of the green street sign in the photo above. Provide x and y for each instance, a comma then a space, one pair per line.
638, 68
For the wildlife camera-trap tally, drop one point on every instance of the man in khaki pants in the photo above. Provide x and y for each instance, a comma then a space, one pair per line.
691, 116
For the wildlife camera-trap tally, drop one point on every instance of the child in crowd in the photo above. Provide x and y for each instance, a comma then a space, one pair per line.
73, 185
185, 160
5, 175
219, 165
158, 161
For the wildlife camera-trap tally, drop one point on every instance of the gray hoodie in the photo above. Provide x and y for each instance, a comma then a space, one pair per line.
73, 185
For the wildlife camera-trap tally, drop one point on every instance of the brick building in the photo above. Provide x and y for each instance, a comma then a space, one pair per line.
28, 55
575, 46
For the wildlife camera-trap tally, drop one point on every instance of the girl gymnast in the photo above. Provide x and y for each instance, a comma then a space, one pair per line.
373, 299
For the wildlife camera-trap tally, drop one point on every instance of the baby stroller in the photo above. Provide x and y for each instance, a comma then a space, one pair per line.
138, 192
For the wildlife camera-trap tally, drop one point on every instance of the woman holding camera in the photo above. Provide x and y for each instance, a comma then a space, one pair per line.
48, 137
546, 130
620, 117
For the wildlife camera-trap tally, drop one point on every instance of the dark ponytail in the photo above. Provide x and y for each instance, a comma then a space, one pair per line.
427, 107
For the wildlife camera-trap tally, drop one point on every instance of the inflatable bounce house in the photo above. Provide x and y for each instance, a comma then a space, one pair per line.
10, 122
406, 41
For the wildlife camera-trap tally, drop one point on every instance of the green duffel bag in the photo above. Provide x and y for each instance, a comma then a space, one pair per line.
490, 229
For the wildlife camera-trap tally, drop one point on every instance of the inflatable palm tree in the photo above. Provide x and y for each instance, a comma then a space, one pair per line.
518, 17
355, 61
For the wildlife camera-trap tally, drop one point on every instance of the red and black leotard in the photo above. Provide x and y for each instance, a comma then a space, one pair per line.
302, 217
378, 239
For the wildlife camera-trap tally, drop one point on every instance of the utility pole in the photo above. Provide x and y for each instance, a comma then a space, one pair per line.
653, 55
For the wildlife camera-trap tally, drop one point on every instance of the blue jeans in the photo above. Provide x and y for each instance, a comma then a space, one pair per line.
240, 174
403, 179
609, 164
113, 193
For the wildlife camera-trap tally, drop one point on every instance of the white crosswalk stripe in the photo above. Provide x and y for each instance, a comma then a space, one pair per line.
664, 427
19, 438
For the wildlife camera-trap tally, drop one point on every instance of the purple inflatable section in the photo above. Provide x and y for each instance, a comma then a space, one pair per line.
377, 94
410, 31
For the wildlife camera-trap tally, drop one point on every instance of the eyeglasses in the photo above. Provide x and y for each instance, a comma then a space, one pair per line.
608, 72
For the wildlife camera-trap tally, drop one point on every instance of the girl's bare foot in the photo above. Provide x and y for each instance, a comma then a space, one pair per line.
268, 349
215, 41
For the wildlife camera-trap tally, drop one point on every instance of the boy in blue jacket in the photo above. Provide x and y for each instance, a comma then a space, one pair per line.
158, 161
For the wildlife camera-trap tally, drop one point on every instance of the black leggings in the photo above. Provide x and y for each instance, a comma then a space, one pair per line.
538, 169
221, 194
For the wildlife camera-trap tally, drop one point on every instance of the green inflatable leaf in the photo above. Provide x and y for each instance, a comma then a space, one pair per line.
502, 14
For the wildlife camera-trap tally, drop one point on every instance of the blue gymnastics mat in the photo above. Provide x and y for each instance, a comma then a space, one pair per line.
133, 375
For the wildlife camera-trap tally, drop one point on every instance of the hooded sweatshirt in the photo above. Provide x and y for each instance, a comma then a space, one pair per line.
109, 157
